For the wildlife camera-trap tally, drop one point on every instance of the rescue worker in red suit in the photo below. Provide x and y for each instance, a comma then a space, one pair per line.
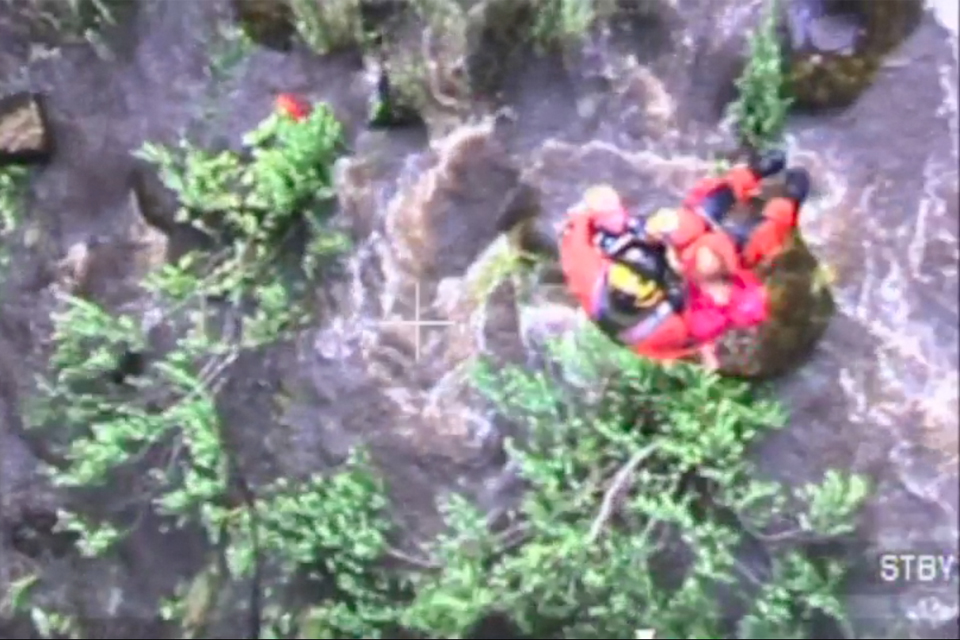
648, 312
625, 286
718, 256
702, 218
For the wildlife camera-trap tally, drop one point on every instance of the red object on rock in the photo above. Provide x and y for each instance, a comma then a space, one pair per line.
747, 307
292, 106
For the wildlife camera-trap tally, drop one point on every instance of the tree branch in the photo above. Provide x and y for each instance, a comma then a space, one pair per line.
620, 483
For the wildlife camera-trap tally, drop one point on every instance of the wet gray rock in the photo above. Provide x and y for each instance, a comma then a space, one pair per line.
452, 209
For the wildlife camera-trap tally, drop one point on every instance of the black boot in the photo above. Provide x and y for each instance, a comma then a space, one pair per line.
797, 185
768, 163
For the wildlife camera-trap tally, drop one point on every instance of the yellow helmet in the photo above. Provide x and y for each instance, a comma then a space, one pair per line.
631, 291
662, 222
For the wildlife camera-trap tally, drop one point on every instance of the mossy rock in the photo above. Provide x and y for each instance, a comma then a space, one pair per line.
801, 308
269, 23
834, 48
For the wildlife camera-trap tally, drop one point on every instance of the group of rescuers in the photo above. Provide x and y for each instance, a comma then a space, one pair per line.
670, 284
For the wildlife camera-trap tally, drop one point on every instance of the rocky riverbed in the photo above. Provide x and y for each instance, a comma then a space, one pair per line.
638, 106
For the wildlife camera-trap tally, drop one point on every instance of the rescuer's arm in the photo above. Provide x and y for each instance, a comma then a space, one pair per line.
581, 260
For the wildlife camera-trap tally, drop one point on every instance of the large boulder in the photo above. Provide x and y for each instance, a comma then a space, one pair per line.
834, 48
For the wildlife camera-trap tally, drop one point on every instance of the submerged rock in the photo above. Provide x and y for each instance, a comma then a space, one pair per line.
24, 132
834, 48
452, 207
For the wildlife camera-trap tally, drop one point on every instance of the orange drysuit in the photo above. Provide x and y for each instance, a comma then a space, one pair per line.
698, 222
665, 334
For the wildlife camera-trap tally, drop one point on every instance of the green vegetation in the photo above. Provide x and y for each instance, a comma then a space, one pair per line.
421, 61
335, 24
329, 25
760, 111
642, 510
246, 294
639, 499
63, 21
562, 22
12, 183
639, 502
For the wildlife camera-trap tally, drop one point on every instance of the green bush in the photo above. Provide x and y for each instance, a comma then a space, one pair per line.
761, 108
12, 184
640, 495
282, 186
639, 500
329, 25
560, 22
104, 425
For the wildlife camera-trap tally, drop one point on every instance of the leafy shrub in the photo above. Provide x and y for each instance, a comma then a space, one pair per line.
260, 199
156, 431
639, 499
760, 111
329, 25
560, 22
639, 502
12, 183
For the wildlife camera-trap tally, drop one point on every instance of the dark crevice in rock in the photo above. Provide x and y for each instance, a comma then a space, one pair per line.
33, 533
